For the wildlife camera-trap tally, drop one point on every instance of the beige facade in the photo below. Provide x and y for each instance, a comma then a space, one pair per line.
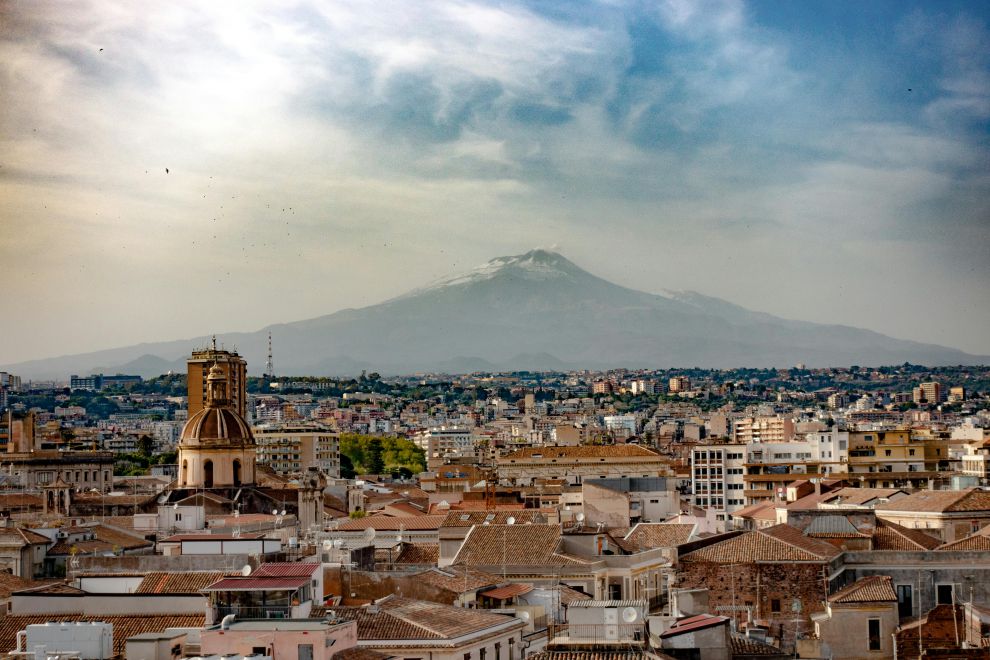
763, 429
573, 464
294, 448
234, 368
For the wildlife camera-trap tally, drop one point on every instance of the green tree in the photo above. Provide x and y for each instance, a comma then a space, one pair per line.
146, 445
375, 463
346, 467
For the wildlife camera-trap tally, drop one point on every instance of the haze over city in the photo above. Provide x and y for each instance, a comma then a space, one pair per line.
173, 170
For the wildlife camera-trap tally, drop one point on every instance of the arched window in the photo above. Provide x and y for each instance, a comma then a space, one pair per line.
237, 472
208, 474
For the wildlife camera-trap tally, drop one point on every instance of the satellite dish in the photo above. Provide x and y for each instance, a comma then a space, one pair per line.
511, 520
174, 506
237, 514
338, 543
523, 614
246, 571
327, 544
369, 534
579, 517
283, 512
274, 512
629, 614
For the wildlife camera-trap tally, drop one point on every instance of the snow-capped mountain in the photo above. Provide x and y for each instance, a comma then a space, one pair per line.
539, 311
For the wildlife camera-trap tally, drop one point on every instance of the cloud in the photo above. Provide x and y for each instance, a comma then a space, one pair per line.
396, 138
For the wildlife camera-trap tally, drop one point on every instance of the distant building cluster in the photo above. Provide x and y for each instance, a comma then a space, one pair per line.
685, 514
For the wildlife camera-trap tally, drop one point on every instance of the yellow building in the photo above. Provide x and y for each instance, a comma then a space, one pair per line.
896, 458
235, 372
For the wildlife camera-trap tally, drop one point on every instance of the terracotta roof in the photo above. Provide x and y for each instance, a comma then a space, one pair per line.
251, 583
508, 591
604, 654
457, 579
20, 500
124, 626
395, 618
569, 595
494, 545
419, 553
941, 501
403, 507
11, 583
760, 510
860, 496
980, 542
871, 589
891, 536
581, 451
286, 569
360, 653
120, 539
693, 623
835, 526
391, 523
777, 543
742, 645
472, 518
162, 582
22, 535
645, 536
60, 588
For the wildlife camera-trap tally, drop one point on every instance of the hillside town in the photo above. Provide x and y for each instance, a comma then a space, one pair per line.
690, 514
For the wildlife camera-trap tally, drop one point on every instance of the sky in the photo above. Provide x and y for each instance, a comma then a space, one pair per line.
173, 169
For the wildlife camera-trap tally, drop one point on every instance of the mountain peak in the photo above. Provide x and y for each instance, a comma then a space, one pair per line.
536, 264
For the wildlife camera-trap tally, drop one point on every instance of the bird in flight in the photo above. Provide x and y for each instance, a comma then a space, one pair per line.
166, 170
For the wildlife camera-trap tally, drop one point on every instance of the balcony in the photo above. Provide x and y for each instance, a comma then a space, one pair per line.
594, 633
254, 611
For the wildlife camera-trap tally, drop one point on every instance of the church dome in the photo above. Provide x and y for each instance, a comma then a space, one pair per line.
218, 423
216, 426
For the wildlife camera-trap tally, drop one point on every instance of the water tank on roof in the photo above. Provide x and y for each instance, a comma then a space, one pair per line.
90, 641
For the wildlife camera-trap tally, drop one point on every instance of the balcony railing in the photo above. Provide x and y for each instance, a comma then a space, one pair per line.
594, 633
255, 611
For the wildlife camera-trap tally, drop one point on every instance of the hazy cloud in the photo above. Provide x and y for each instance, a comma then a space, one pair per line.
330, 154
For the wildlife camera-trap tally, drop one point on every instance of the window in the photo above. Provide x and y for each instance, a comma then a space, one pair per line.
482, 653
775, 605
498, 650
886, 452
873, 634
305, 651
944, 594
905, 601
467, 656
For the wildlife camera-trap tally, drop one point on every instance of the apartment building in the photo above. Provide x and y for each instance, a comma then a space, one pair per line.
294, 448
763, 429
717, 477
445, 442
572, 464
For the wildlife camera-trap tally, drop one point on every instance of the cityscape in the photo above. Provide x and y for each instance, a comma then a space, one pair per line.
476, 330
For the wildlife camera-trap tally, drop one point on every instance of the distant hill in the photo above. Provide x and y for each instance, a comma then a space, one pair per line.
536, 311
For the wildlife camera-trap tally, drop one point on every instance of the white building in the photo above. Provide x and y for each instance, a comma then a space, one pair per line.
717, 478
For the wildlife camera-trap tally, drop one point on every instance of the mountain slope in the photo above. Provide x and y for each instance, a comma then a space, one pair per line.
536, 309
